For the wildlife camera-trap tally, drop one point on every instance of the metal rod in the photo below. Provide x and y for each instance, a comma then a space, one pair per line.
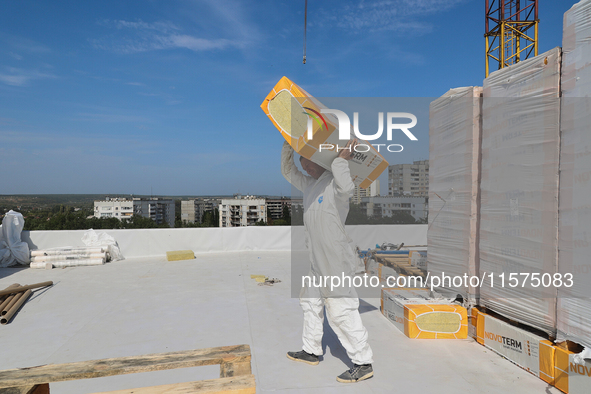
502, 64
486, 18
14, 300
6, 318
486, 70
27, 287
305, 27
537, 44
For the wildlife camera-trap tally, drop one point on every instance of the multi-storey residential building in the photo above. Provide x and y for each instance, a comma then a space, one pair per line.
386, 206
242, 211
275, 207
371, 191
192, 210
409, 179
158, 209
120, 208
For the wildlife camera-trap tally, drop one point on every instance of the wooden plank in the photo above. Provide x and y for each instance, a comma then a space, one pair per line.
40, 389
228, 369
403, 266
235, 385
123, 365
25, 389
35, 389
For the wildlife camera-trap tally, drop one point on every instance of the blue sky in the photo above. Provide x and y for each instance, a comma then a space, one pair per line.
124, 97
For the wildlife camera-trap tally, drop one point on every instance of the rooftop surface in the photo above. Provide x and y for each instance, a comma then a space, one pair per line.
149, 305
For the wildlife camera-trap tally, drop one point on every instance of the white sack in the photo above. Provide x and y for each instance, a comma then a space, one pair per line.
12, 250
100, 238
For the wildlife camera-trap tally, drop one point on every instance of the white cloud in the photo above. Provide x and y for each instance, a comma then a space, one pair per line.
15, 55
194, 43
14, 80
394, 15
142, 37
110, 118
233, 17
20, 77
25, 45
163, 27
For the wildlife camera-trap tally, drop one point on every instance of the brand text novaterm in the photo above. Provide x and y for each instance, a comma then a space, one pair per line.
515, 344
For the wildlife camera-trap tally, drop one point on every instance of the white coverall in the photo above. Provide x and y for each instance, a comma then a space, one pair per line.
326, 205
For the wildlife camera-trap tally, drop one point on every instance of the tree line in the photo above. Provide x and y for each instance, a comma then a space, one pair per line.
61, 217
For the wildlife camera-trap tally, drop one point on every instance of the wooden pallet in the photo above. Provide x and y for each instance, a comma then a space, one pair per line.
234, 361
400, 263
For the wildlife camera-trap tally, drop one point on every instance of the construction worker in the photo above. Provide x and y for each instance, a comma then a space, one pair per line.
326, 205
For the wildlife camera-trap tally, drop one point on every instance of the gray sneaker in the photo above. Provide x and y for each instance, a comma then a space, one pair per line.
356, 374
304, 357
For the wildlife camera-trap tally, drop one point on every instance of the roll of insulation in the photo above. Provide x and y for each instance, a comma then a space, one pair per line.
72, 256
41, 265
77, 263
62, 251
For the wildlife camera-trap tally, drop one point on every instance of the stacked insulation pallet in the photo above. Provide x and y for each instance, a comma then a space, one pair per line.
574, 217
519, 187
574, 304
68, 257
535, 210
454, 157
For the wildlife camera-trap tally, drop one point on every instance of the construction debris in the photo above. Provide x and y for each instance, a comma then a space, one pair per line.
269, 282
264, 280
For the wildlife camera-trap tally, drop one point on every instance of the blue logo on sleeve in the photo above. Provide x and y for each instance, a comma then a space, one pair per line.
320, 199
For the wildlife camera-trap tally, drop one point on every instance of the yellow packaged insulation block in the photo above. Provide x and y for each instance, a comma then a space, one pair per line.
177, 255
570, 376
419, 316
529, 351
291, 109
472, 328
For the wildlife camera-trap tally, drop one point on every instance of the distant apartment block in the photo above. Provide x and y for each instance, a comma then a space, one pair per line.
386, 206
120, 208
409, 179
275, 206
157, 209
242, 211
192, 211
372, 191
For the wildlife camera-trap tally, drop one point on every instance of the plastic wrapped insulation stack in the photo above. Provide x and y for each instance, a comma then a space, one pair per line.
454, 158
519, 190
574, 247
